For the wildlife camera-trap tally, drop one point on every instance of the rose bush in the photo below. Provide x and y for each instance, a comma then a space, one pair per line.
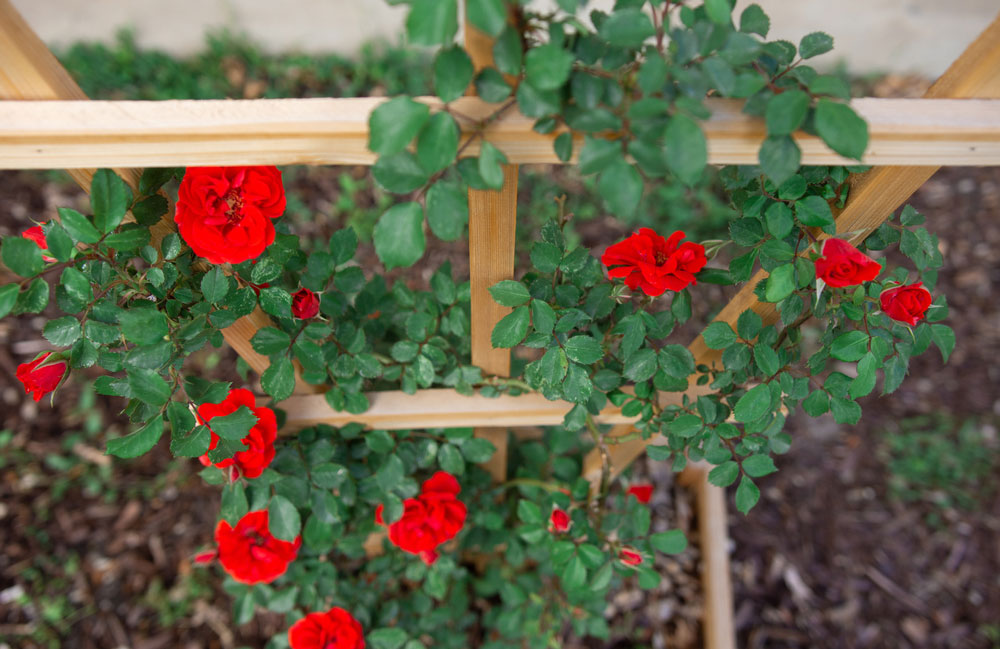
398, 538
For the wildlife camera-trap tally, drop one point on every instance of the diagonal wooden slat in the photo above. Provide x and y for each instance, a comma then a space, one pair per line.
874, 196
29, 71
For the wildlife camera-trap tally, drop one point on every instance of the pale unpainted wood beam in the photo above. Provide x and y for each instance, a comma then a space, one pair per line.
492, 225
66, 135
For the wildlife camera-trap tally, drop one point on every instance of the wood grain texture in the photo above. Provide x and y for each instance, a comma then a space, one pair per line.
874, 196
74, 134
492, 224
719, 628
29, 71
438, 408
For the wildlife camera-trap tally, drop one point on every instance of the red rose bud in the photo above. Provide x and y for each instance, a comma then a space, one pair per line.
224, 213
37, 235
206, 557
907, 304
429, 557
653, 264
559, 521
432, 518
250, 554
630, 557
259, 440
844, 265
40, 377
335, 629
305, 304
642, 492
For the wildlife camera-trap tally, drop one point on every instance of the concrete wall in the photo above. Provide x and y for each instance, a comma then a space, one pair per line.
921, 36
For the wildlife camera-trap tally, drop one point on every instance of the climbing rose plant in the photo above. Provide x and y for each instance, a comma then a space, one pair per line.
398, 539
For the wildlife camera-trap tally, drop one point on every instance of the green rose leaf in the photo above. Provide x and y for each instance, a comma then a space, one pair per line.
686, 147
78, 226
283, 518
719, 335
747, 495
234, 426
143, 326
396, 122
850, 346
759, 465
780, 283
488, 16
447, 210
139, 442
8, 298
270, 340
779, 158
672, 542
62, 332
841, 128
815, 44
753, 405
725, 474
387, 638
110, 198
547, 67
753, 20
718, 11
677, 361
432, 22
786, 112
628, 27
511, 329
509, 293
23, 256
621, 187
814, 211
399, 235
148, 386
278, 380
452, 73
215, 285
584, 349
437, 143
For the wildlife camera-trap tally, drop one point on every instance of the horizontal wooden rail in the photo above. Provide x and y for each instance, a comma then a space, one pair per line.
437, 408
77, 134
446, 408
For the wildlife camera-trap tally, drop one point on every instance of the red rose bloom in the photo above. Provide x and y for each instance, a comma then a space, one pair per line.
248, 552
40, 378
305, 304
642, 492
907, 304
259, 441
37, 235
559, 521
654, 264
432, 518
844, 265
335, 629
630, 557
225, 213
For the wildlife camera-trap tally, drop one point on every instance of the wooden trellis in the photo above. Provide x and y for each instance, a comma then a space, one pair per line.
956, 123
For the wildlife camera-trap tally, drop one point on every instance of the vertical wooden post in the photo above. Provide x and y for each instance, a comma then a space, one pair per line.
28, 70
492, 222
719, 628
